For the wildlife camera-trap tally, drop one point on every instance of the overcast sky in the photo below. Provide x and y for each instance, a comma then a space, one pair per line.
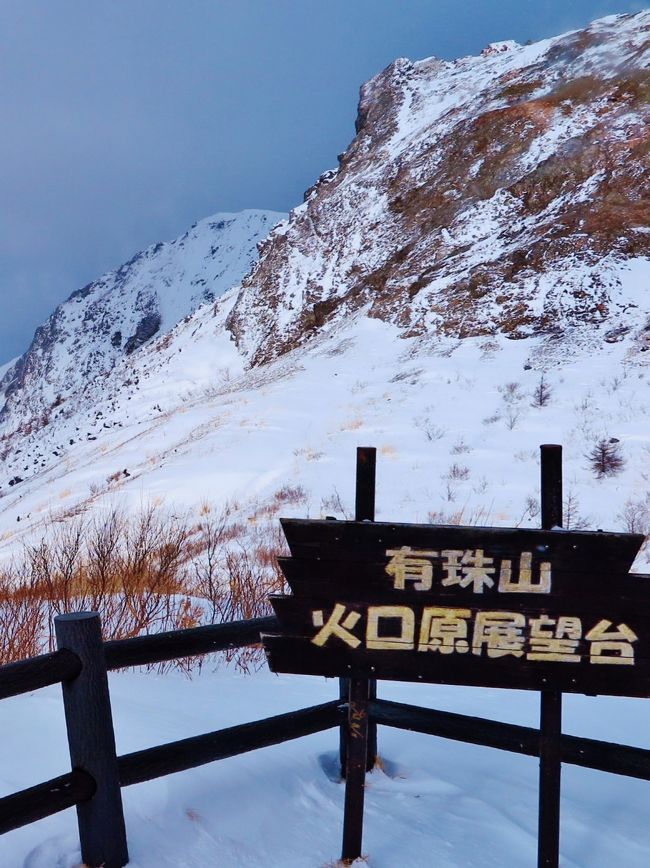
124, 121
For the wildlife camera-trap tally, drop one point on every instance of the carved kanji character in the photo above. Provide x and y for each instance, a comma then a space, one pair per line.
613, 647
468, 568
555, 639
336, 625
409, 565
524, 583
501, 632
402, 639
444, 630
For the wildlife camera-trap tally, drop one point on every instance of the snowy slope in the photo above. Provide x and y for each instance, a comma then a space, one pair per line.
435, 802
493, 194
487, 227
364, 343
456, 431
109, 319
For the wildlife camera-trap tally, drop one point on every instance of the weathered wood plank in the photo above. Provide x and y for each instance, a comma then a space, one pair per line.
175, 644
355, 774
618, 759
325, 575
298, 614
43, 800
295, 612
91, 740
299, 655
550, 762
36, 672
167, 759
579, 551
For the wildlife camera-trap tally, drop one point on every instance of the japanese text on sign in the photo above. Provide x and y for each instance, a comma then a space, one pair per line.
468, 569
560, 639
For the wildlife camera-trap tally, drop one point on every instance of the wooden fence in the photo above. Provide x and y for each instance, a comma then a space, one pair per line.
101, 825
94, 784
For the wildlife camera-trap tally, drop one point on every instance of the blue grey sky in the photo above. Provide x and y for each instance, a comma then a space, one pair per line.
124, 121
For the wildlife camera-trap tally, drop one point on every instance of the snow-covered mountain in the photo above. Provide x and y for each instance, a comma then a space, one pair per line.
506, 193
76, 349
488, 226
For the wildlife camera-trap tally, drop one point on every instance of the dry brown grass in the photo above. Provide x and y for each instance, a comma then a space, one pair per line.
144, 574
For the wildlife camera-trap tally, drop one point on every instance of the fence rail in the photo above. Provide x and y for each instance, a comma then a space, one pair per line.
618, 759
176, 644
36, 672
177, 756
64, 665
43, 800
78, 787
94, 785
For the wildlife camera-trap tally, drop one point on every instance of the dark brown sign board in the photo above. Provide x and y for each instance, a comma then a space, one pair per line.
491, 607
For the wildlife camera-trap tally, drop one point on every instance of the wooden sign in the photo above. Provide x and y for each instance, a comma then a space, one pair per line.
490, 607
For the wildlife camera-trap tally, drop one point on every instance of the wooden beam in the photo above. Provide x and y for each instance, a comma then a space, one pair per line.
23, 676
617, 759
43, 800
92, 742
175, 644
167, 759
550, 761
355, 776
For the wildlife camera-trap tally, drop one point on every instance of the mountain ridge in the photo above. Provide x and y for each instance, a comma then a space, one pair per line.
473, 177
118, 313
413, 300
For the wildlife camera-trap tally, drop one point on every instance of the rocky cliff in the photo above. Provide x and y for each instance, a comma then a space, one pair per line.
506, 193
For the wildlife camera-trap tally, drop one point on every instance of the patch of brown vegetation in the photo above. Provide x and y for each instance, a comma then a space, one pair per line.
143, 574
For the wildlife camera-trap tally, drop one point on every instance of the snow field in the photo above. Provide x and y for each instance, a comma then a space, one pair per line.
433, 802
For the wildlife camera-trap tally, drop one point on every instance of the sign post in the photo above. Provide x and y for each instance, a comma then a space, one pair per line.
547, 610
550, 726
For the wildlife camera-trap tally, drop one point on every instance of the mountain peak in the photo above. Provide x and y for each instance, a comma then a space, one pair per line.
114, 316
503, 193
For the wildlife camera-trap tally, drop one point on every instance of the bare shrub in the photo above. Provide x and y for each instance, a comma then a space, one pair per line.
572, 517
478, 516
541, 393
606, 458
531, 510
239, 584
490, 420
144, 573
635, 515
512, 418
431, 430
22, 616
481, 486
450, 492
332, 503
130, 570
510, 392
288, 495
457, 471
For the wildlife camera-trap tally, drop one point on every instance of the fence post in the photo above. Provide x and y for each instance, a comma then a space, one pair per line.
359, 746
92, 742
550, 762
357, 754
364, 510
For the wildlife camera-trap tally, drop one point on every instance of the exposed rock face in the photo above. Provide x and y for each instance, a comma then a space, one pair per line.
148, 326
500, 193
113, 317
